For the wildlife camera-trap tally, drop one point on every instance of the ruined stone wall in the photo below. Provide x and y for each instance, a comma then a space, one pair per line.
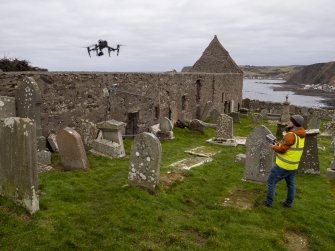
68, 97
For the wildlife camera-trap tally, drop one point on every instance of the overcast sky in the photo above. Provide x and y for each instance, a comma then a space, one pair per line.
164, 35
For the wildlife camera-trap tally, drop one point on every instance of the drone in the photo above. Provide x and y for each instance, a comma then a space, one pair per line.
102, 44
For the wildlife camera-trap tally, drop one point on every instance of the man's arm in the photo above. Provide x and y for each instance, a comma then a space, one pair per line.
285, 143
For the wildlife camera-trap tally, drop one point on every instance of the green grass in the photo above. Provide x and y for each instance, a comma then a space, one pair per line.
95, 210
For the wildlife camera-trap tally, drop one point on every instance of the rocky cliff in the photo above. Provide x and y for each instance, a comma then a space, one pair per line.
322, 73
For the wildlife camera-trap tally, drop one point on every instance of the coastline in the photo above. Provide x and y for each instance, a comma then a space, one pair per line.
328, 97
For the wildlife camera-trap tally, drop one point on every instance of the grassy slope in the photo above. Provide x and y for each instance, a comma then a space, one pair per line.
93, 210
276, 72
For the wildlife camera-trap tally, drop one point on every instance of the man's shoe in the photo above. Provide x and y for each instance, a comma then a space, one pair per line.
285, 204
262, 204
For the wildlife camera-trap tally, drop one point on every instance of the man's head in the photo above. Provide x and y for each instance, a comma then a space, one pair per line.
297, 120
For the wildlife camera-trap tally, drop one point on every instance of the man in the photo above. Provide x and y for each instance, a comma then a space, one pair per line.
289, 152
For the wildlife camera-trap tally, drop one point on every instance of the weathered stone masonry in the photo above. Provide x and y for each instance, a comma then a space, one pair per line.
139, 100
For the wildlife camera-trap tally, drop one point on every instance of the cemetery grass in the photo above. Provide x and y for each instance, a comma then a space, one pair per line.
97, 210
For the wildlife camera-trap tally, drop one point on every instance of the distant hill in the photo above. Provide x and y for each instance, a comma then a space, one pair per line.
322, 73
270, 72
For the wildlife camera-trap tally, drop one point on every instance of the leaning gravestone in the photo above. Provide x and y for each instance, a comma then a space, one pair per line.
144, 166
309, 163
235, 116
7, 107
71, 149
28, 105
205, 112
259, 156
18, 174
165, 129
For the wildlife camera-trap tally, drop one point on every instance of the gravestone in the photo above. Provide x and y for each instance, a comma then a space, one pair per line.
235, 116
88, 132
329, 129
259, 156
53, 142
28, 105
244, 112
312, 122
165, 129
205, 112
197, 125
224, 129
111, 143
285, 114
214, 114
18, 174
28, 102
257, 118
7, 107
309, 163
264, 112
144, 166
71, 149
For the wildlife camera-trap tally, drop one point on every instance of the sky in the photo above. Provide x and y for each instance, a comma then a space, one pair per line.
165, 35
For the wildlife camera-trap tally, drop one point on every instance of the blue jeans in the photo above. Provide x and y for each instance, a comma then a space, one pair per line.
276, 175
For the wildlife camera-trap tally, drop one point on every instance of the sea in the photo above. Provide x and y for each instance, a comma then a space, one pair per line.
262, 89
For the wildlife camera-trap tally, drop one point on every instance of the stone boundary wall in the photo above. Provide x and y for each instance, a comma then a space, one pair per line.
68, 97
257, 106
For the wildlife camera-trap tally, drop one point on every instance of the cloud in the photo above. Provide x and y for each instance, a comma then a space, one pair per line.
163, 35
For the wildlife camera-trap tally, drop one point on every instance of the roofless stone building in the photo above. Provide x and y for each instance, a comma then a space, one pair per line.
138, 99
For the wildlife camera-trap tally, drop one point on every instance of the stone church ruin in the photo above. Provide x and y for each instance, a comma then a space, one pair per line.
138, 99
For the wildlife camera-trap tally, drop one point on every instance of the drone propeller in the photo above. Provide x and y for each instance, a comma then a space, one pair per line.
118, 48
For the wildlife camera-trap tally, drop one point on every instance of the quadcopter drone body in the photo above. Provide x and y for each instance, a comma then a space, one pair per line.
102, 44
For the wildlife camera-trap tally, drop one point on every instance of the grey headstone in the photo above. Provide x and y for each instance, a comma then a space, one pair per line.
28, 102
144, 166
260, 157
88, 132
7, 107
312, 122
71, 149
264, 112
329, 128
309, 163
215, 114
165, 125
285, 114
244, 112
53, 142
224, 128
18, 173
257, 118
235, 116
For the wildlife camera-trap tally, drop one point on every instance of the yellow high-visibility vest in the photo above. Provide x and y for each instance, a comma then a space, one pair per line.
291, 158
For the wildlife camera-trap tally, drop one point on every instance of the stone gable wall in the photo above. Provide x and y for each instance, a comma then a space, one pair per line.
68, 97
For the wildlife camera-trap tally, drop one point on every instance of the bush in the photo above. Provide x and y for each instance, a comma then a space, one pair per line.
8, 64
